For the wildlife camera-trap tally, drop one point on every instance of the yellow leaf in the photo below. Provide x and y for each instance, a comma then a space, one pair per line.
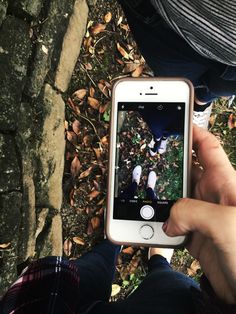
122, 51
115, 289
78, 240
108, 17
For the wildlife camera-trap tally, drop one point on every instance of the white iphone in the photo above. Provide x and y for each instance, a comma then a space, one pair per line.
149, 159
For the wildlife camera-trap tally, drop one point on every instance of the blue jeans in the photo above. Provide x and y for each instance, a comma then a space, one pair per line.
168, 54
162, 291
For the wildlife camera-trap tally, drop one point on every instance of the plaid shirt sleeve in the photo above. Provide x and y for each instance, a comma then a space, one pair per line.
49, 285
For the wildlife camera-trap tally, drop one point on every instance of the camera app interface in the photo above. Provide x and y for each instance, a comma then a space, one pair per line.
149, 160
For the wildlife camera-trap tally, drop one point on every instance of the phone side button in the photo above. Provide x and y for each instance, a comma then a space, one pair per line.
146, 232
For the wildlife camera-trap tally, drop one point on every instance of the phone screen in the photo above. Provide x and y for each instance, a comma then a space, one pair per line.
149, 160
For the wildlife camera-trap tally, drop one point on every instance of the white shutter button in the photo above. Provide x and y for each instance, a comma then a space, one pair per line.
146, 232
147, 212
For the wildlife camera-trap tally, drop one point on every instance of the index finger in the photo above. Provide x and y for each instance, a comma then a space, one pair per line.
208, 149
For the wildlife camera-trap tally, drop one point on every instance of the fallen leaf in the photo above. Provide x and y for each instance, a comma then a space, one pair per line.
91, 92
95, 222
67, 246
97, 152
104, 140
72, 202
120, 20
98, 28
5, 245
85, 173
115, 289
78, 240
72, 137
122, 51
101, 202
87, 140
89, 229
88, 66
125, 27
88, 42
76, 127
108, 17
66, 124
103, 89
93, 194
143, 146
193, 269
232, 121
130, 67
120, 61
93, 102
75, 166
129, 250
103, 107
80, 93
138, 71
73, 106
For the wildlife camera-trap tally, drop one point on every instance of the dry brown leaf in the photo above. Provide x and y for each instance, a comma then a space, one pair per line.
76, 127
101, 202
95, 222
232, 121
67, 246
98, 28
75, 166
88, 66
85, 173
87, 140
120, 61
93, 102
125, 27
103, 107
97, 152
108, 17
120, 20
194, 267
93, 194
72, 137
72, 202
103, 89
138, 71
129, 250
89, 229
130, 67
122, 51
104, 140
88, 42
5, 245
73, 106
91, 92
80, 93
78, 240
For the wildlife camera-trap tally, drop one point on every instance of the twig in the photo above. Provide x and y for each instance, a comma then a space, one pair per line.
83, 68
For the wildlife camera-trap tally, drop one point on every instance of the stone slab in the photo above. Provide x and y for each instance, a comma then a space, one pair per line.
3, 10
49, 44
14, 54
27, 8
10, 215
71, 45
50, 149
10, 178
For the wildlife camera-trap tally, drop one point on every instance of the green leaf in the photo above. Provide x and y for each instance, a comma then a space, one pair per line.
106, 116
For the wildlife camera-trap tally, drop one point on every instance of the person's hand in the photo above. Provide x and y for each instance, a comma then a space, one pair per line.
213, 226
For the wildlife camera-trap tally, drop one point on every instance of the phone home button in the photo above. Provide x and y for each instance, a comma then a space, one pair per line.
147, 212
146, 232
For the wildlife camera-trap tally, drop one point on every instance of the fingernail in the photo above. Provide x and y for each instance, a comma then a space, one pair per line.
164, 226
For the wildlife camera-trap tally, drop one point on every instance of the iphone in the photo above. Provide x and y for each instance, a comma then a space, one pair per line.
149, 158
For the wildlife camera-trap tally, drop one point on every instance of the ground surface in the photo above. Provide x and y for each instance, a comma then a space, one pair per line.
109, 53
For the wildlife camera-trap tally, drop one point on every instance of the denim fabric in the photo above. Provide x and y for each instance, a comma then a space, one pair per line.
129, 193
170, 55
163, 291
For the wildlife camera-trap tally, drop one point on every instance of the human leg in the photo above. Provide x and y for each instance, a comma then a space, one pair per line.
96, 270
129, 192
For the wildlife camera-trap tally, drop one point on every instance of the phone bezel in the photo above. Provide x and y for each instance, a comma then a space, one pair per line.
139, 90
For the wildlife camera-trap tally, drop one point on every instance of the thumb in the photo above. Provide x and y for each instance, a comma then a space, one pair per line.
193, 215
